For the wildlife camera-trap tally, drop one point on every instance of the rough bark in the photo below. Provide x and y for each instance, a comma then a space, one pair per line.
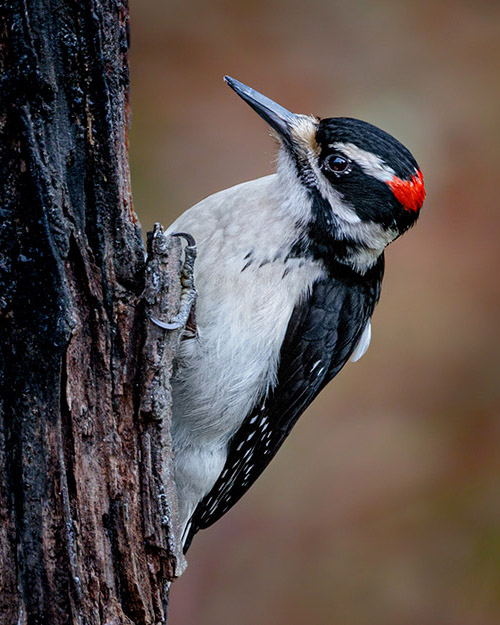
86, 499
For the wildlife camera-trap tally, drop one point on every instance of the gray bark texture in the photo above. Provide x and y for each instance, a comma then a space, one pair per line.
86, 492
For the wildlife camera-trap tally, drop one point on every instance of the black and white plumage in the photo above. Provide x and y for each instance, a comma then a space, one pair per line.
288, 274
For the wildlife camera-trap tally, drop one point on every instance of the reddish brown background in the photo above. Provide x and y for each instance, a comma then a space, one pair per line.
384, 505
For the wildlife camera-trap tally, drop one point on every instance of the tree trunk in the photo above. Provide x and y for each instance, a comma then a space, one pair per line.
86, 494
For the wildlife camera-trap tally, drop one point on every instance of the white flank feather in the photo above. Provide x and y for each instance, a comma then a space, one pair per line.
363, 343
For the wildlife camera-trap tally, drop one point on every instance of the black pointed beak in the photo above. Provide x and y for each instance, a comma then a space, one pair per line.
275, 115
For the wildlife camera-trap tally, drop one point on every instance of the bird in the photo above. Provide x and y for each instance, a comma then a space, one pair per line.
288, 273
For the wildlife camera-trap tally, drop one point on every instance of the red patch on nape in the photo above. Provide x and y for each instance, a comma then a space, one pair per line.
410, 193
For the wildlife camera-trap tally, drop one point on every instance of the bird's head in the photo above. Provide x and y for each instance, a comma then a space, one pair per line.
363, 187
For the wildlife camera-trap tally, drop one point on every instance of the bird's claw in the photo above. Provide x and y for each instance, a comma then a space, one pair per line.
188, 291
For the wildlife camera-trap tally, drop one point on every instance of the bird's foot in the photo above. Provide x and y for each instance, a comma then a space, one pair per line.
186, 316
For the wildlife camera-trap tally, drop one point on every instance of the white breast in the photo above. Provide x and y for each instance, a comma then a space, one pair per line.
246, 294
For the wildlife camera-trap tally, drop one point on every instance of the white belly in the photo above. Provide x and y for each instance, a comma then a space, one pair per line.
247, 291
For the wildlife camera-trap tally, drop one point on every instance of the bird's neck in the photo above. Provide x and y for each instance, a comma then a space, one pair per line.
331, 234
320, 234
341, 253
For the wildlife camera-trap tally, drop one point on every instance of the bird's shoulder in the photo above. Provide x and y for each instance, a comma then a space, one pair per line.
221, 209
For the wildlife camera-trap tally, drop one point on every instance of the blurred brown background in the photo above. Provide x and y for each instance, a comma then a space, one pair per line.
383, 507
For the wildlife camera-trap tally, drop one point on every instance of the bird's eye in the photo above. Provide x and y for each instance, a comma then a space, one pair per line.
336, 164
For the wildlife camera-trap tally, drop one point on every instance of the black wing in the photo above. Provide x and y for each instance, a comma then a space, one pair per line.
321, 335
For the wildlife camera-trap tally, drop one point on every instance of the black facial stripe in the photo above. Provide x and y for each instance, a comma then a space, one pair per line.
370, 198
304, 171
320, 243
302, 167
370, 138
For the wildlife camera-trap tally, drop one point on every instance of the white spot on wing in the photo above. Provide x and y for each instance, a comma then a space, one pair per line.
315, 365
363, 343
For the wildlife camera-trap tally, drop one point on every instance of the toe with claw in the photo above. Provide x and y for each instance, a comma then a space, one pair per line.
185, 316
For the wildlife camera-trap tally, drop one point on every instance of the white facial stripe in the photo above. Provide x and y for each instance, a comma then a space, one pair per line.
370, 163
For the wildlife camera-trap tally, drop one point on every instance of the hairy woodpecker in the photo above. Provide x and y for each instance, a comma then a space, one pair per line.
288, 273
